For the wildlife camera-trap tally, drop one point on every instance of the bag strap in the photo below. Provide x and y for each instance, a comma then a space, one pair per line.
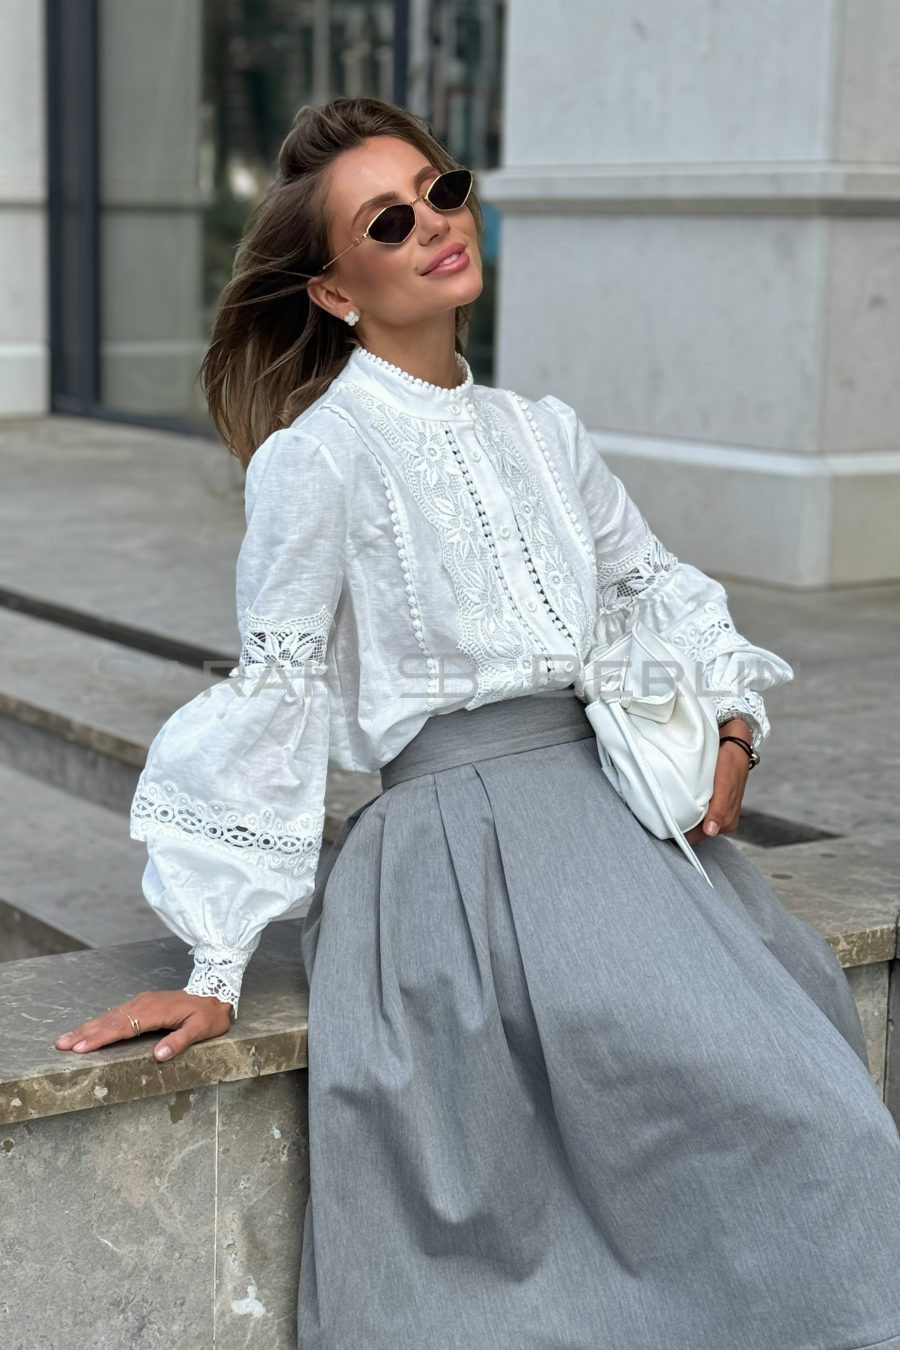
656, 790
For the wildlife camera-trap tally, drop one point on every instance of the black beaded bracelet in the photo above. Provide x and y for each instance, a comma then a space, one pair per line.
745, 745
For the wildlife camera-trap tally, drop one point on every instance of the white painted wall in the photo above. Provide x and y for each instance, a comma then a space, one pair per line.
701, 253
23, 196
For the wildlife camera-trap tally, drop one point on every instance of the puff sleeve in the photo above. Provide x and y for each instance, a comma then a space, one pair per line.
639, 577
231, 799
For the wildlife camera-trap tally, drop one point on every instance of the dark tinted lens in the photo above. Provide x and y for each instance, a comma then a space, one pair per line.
393, 224
449, 191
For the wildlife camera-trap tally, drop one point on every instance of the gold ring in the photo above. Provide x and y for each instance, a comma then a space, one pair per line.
135, 1024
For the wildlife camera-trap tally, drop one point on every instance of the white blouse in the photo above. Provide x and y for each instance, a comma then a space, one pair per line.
410, 550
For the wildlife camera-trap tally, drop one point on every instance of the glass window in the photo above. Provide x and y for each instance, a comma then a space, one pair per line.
193, 100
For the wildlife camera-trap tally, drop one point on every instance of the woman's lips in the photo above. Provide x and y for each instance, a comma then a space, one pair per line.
448, 268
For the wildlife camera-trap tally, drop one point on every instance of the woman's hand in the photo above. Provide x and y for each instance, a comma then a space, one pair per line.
195, 1017
732, 770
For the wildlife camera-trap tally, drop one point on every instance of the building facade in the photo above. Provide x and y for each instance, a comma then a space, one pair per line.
701, 253
700, 209
137, 137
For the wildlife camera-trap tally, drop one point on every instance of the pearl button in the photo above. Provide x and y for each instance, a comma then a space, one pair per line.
504, 530
570, 665
476, 454
531, 604
454, 407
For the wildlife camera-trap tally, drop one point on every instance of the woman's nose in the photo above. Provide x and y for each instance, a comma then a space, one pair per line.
430, 221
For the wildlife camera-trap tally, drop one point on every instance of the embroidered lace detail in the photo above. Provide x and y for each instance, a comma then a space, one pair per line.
750, 706
539, 587
400, 527
412, 599
293, 643
622, 580
289, 846
491, 628
218, 974
546, 560
707, 633
587, 544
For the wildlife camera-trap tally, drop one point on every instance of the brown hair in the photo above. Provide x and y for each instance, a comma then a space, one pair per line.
273, 351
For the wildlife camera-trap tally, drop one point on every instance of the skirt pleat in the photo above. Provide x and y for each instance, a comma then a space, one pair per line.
563, 1095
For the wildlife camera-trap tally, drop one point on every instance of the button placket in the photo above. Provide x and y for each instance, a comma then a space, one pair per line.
490, 492
521, 580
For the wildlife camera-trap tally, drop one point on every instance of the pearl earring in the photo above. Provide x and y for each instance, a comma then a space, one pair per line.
351, 317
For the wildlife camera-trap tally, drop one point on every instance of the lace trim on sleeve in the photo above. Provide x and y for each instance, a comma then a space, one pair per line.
265, 839
707, 633
702, 634
218, 973
292, 643
750, 706
622, 581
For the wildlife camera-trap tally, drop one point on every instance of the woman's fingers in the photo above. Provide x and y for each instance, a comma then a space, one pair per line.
724, 809
104, 1029
200, 1024
194, 1017
732, 769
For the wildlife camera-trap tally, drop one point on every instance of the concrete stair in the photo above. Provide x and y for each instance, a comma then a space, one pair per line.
69, 873
77, 714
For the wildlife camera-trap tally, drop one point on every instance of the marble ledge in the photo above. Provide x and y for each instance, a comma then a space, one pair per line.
847, 888
46, 995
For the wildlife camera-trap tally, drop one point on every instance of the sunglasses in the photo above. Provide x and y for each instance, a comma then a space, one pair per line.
394, 224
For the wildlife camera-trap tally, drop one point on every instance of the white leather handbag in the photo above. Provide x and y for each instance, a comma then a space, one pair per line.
657, 736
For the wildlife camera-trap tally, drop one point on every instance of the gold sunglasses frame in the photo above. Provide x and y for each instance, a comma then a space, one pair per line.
423, 196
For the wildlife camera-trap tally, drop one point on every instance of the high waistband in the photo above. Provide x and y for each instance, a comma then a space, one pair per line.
463, 736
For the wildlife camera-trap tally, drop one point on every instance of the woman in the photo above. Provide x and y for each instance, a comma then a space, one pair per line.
562, 1092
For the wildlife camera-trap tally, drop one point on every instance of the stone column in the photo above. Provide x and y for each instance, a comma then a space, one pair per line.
24, 366
701, 253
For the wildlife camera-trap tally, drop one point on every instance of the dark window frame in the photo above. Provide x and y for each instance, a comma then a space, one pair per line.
73, 221
74, 264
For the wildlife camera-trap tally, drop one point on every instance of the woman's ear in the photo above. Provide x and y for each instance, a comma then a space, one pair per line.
328, 297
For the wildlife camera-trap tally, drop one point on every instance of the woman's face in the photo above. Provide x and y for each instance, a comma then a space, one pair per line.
386, 283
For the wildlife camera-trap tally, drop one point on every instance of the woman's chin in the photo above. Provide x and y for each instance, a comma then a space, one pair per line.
469, 289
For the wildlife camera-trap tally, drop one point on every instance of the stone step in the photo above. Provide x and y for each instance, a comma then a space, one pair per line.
69, 873
79, 711
77, 715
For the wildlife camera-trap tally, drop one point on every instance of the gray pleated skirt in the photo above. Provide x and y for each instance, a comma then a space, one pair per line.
564, 1095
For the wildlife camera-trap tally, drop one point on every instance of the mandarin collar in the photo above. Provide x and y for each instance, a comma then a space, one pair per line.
408, 392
